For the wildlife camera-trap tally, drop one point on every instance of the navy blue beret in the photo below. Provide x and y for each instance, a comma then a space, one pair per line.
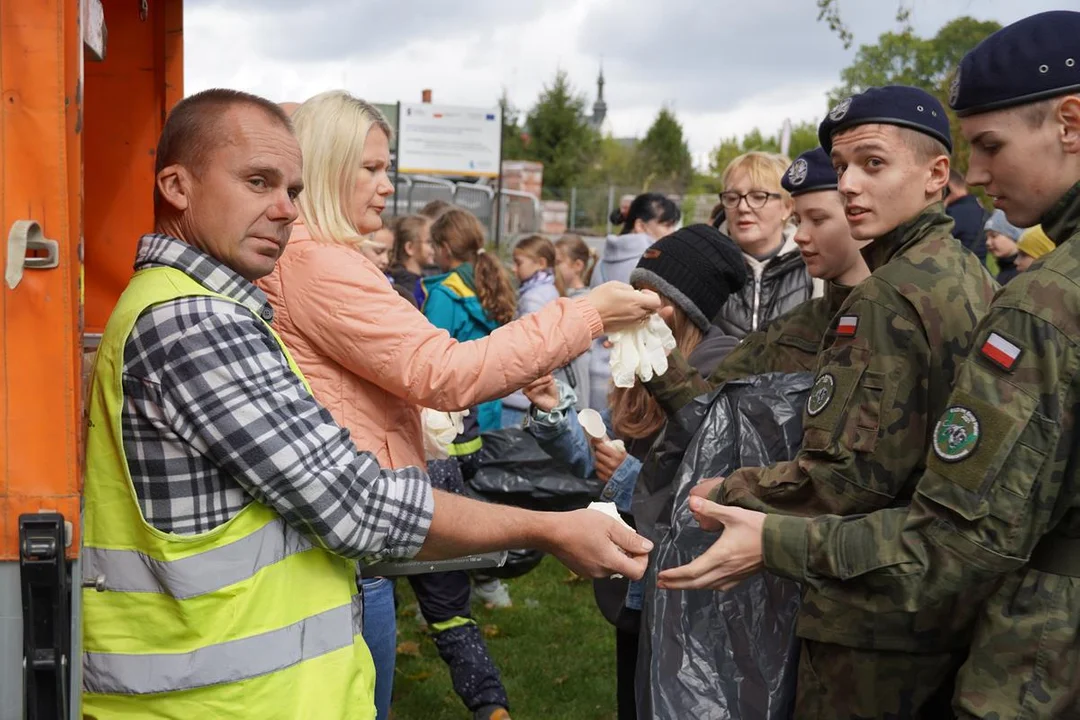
1032, 59
811, 171
899, 105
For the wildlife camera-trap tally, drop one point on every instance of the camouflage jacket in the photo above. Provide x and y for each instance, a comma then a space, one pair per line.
897, 343
790, 343
998, 506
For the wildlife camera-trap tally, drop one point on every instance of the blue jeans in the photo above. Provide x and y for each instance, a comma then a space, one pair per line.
380, 635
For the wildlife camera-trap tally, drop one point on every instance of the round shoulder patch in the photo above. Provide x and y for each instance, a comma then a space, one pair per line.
821, 394
838, 112
796, 174
954, 88
956, 435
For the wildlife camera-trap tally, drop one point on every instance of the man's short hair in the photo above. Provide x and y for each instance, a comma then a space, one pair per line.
192, 130
925, 147
957, 178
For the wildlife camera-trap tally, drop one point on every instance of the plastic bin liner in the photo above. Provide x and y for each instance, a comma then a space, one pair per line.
512, 469
710, 654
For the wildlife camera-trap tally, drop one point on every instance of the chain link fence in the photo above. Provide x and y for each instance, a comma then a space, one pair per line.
583, 210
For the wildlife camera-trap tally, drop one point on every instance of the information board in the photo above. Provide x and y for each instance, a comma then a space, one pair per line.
448, 140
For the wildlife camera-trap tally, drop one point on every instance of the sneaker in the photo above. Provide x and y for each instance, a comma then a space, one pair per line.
492, 593
491, 712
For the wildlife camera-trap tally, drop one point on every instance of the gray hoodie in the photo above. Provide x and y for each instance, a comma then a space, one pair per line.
620, 257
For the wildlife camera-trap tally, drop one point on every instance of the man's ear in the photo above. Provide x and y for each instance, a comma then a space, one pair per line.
938, 178
1068, 117
174, 186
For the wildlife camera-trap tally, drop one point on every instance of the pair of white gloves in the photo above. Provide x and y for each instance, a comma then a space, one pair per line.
440, 429
640, 351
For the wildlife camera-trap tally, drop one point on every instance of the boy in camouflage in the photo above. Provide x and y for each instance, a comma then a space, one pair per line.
998, 506
790, 343
883, 376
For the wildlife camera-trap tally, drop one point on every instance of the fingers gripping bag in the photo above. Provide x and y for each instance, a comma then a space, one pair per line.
717, 654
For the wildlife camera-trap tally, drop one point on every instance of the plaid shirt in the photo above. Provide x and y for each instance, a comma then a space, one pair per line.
214, 418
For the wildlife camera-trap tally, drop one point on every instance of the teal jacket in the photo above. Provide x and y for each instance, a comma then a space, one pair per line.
450, 302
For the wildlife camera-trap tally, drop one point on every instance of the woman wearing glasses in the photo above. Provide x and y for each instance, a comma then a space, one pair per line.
757, 216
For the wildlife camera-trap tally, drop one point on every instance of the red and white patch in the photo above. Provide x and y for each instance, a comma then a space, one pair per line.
847, 326
1001, 352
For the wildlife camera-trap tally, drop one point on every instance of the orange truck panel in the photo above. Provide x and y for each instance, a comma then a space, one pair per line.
127, 98
40, 179
52, 124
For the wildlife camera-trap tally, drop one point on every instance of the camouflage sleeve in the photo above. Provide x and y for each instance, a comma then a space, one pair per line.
865, 424
997, 480
676, 388
788, 344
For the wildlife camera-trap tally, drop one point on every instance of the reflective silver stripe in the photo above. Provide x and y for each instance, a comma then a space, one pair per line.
133, 571
227, 662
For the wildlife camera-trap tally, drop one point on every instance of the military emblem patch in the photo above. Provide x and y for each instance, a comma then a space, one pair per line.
797, 172
838, 112
821, 394
954, 88
956, 434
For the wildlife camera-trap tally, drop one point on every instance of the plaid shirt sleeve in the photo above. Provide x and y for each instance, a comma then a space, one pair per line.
228, 391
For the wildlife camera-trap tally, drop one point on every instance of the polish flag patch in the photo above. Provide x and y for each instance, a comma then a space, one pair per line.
847, 326
1001, 352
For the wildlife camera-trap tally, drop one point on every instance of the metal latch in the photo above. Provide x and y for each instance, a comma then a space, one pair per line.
26, 237
46, 610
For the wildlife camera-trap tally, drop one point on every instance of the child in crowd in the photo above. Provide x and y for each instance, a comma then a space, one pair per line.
574, 263
411, 253
376, 248
534, 265
1001, 237
472, 297
694, 270
1033, 244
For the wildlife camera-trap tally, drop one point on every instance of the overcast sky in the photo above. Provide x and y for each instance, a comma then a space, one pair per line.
724, 66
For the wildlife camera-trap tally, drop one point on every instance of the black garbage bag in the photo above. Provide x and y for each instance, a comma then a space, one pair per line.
708, 654
512, 469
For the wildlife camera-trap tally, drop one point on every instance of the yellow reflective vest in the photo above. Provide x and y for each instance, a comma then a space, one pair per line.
248, 620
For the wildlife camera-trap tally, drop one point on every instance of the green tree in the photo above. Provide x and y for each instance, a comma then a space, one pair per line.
513, 145
560, 136
904, 58
803, 138
663, 156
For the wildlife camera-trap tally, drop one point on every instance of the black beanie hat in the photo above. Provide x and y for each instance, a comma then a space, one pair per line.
697, 268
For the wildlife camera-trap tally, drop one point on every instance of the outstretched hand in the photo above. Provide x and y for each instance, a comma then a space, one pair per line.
594, 545
621, 306
737, 555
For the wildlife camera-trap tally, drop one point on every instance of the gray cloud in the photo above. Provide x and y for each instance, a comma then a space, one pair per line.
707, 57
358, 29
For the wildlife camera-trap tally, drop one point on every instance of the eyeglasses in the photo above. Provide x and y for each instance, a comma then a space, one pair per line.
755, 199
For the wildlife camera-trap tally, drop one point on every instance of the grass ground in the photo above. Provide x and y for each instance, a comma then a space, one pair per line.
555, 651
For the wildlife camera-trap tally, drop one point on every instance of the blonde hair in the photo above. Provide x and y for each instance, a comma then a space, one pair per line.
635, 413
764, 169
332, 128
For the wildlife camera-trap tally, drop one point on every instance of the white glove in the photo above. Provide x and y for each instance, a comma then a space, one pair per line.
440, 429
641, 351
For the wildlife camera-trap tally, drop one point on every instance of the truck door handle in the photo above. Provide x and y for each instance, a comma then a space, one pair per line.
26, 237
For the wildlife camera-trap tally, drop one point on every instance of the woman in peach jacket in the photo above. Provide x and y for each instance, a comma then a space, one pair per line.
371, 357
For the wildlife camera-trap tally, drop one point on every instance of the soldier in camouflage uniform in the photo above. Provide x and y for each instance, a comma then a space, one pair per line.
884, 375
790, 343
998, 506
